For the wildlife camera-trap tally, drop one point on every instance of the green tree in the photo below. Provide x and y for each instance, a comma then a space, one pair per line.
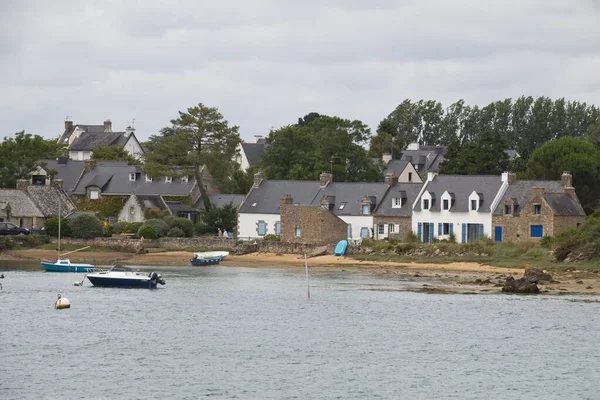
578, 156
215, 218
113, 153
484, 156
198, 137
20, 154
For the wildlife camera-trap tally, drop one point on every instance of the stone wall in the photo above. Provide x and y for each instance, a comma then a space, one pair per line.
564, 223
405, 224
317, 225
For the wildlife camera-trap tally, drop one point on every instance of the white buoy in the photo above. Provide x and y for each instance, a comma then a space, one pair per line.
62, 302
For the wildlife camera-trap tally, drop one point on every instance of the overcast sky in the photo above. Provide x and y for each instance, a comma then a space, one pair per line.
265, 63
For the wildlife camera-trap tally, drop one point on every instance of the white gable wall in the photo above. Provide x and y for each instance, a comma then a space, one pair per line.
131, 211
409, 171
133, 147
241, 158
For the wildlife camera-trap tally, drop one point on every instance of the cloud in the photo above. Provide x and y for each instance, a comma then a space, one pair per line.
265, 63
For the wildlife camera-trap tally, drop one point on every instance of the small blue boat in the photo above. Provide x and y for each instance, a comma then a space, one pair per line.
205, 261
340, 249
125, 277
65, 265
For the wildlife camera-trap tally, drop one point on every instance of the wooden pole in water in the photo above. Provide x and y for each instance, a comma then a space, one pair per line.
307, 279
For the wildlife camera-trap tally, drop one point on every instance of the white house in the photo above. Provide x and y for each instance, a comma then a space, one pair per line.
461, 205
248, 154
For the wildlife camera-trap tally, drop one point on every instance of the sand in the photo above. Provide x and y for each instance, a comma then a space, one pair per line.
458, 277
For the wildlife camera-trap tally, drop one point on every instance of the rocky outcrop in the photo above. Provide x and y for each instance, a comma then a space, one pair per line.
535, 275
521, 285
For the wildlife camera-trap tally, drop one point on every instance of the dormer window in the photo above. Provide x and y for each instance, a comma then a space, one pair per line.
184, 179
168, 179
132, 177
446, 204
473, 205
365, 209
425, 204
341, 207
397, 202
148, 178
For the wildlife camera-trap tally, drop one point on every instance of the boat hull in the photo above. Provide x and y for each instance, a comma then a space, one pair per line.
50, 267
103, 281
205, 261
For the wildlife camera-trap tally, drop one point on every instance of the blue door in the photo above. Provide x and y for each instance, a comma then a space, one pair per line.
537, 231
498, 234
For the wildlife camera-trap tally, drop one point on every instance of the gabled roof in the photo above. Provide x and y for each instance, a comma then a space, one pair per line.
407, 191
50, 200
351, 194
20, 204
253, 152
68, 170
265, 198
396, 166
179, 207
220, 200
147, 202
64, 138
521, 191
426, 159
563, 204
462, 186
88, 141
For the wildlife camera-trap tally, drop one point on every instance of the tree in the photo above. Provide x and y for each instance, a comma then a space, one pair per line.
578, 156
484, 156
21, 154
215, 218
305, 150
198, 137
113, 153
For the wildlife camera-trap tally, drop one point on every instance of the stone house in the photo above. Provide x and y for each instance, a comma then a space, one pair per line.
310, 223
532, 209
134, 208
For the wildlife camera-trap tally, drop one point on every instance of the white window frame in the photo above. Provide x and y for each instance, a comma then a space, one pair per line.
426, 202
132, 177
392, 228
168, 179
381, 229
148, 178
94, 194
397, 202
445, 204
184, 179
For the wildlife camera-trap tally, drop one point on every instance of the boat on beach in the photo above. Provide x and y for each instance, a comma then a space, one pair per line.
208, 258
125, 277
65, 265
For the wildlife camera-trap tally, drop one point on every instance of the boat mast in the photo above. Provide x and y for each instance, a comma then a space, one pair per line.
58, 251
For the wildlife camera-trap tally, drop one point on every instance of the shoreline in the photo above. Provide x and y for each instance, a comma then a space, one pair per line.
456, 277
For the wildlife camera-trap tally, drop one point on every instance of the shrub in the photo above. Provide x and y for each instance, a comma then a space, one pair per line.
86, 226
185, 225
176, 232
452, 237
146, 232
155, 213
405, 248
51, 227
272, 238
119, 227
547, 242
159, 226
133, 227
169, 220
412, 237
108, 232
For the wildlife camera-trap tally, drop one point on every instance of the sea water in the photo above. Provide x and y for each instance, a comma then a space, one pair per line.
243, 333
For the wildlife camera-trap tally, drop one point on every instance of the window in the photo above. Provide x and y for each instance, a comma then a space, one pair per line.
446, 229
537, 231
473, 205
341, 207
148, 178
184, 179
278, 228
94, 194
364, 233
446, 204
365, 209
168, 179
391, 228
349, 230
297, 231
507, 209
253, 204
537, 209
425, 204
381, 229
262, 228
132, 177
397, 202
132, 210
410, 176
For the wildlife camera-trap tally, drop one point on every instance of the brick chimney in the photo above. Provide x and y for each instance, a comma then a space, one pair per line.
68, 125
509, 177
324, 179
537, 191
567, 179
108, 125
58, 183
258, 178
391, 179
287, 199
89, 165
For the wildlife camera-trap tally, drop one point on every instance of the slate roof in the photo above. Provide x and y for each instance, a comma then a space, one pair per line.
20, 204
50, 200
69, 172
220, 200
88, 141
396, 166
522, 191
267, 196
179, 207
409, 191
426, 159
64, 138
352, 194
462, 186
150, 201
253, 152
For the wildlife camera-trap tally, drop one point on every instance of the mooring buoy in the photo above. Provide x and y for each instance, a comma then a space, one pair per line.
62, 302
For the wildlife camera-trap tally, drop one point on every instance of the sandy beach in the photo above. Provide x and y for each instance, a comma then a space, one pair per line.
458, 277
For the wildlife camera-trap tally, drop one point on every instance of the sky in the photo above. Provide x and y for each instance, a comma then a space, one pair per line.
265, 63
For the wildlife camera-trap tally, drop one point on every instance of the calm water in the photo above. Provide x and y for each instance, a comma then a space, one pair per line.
252, 334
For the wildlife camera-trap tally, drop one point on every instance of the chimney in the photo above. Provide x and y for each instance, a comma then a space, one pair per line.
391, 179
413, 146
128, 131
258, 178
537, 191
386, 158
324, 202
287, 199
567, 179
509, 177
22, 184
68, 125
58, 183
89, 165
571, 192
63, 160
257, 138
430, 176
324, 179
108, 126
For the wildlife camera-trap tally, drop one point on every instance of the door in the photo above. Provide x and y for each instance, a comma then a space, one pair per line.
537, 231
498, 234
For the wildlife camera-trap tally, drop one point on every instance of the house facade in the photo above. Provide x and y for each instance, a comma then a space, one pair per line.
393, 217
530, 210
248, 154
457, 205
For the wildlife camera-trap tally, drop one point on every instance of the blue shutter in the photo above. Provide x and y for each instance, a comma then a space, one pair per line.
464, 233
430, 232
537, 231
440, 229
451, 226
420, 231
480, 231
277, 228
